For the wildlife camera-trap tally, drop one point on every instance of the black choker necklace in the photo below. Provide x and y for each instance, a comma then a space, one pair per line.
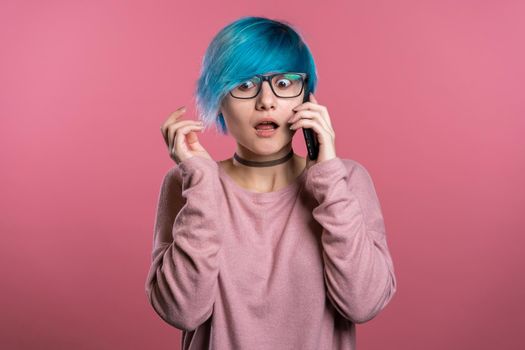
265, 163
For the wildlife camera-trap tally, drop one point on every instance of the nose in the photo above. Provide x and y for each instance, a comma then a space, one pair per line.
266, 97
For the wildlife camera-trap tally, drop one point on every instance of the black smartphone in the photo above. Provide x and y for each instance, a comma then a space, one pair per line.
312, 145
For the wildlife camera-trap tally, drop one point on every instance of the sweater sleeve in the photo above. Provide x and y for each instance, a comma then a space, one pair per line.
181, 284
358, 268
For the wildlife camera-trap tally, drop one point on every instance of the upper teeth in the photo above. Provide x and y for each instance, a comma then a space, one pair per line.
267, 123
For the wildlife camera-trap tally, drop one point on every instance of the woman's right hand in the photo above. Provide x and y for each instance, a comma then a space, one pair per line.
181, 138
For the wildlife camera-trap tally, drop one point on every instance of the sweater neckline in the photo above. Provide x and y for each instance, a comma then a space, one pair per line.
290, 188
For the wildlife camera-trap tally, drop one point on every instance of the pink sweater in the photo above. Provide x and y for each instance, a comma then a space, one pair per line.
290, 269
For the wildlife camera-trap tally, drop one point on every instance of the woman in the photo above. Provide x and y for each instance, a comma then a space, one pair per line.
267, 249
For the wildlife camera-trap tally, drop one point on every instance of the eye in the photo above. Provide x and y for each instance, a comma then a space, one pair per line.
246, 85
283, 83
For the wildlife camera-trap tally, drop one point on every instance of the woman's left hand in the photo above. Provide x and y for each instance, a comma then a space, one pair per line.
315, 116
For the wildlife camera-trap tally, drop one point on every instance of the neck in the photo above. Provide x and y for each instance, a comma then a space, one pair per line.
266, 163
267, 178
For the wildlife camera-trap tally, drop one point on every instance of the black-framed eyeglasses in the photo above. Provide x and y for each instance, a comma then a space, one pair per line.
285, 85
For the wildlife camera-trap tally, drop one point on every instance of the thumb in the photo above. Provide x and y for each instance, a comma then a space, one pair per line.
193, 141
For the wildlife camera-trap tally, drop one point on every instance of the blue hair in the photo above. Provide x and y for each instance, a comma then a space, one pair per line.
245, 47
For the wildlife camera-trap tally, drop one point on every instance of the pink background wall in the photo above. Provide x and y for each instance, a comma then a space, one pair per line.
428, 95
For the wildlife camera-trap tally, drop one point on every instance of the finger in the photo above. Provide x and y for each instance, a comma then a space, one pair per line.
324, 110
313, 106
172, 129
193, 141
180, 136
173, 117
321, 132
310, 104
306, 114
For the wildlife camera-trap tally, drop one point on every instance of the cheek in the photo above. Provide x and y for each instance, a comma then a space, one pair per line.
235, 123
237, 116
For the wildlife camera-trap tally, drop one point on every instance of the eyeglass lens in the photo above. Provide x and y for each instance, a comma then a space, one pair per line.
284, 85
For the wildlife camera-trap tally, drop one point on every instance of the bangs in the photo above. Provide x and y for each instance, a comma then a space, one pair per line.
273, 51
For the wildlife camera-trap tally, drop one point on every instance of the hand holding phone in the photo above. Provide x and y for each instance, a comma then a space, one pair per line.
312, 145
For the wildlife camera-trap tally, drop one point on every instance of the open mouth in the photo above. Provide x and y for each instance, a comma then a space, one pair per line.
266, 126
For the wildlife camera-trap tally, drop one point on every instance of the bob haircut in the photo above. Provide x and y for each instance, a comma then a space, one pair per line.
248, 46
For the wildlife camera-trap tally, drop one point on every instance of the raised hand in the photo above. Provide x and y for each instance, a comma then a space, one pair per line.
181, 137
